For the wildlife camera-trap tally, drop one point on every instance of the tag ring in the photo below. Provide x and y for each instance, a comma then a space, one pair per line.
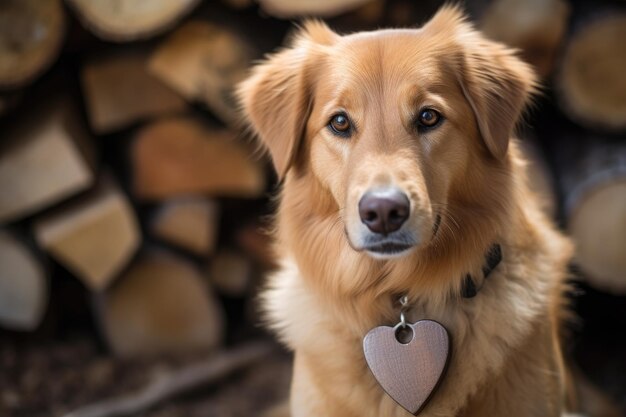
404, 300
402, 321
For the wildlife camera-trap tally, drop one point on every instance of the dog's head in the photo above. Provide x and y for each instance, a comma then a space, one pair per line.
394, 124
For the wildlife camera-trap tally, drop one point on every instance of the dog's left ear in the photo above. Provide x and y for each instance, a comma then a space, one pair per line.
276, 98
496, 83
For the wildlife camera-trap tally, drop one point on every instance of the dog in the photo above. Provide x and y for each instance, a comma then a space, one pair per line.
400, 178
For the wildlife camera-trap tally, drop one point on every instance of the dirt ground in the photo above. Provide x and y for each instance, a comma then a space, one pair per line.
49, 381
52, 376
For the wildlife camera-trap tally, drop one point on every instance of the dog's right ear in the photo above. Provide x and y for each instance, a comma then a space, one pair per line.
496, 84
276, 98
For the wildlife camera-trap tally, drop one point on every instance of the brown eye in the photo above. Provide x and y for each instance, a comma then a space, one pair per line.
428, 118
340, 124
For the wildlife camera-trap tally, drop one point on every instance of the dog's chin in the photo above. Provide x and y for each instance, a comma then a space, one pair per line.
385, 248
388, 251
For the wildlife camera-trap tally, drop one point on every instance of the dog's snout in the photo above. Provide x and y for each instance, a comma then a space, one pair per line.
384, 211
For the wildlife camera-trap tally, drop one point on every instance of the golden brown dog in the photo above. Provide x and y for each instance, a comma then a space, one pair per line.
399, 174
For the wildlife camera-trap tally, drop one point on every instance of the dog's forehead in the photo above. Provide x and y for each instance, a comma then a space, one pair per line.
398, 44
386, 60
389, 53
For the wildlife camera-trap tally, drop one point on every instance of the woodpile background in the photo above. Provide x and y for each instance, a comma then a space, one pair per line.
133, 208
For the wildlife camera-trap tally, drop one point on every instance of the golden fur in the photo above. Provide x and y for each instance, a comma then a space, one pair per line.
329, 293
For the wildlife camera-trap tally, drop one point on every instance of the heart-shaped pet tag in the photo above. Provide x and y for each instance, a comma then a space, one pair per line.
408, 372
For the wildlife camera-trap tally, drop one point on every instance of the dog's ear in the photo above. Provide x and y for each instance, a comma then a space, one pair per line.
495, 82
276, 98
498, 86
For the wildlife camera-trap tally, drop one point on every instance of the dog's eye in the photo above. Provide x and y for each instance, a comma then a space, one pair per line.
340, 125
428, 118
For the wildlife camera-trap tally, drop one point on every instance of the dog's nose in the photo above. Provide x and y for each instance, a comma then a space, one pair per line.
384, 210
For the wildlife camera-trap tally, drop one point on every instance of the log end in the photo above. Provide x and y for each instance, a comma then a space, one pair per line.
598, 226
31, 36
591, 83
160, 305
23, 285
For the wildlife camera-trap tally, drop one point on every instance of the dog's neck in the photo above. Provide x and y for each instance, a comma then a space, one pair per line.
310, 230
493, 257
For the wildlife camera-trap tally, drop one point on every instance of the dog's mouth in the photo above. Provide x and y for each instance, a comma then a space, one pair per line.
388, 249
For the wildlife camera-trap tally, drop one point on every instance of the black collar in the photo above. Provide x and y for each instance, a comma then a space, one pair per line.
493, 257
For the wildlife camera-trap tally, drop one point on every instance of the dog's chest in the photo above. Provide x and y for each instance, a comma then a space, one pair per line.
483, 331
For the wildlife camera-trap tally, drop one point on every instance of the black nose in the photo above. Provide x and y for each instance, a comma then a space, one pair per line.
384, 210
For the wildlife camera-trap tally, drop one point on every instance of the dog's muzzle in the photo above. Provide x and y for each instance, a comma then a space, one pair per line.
384, 211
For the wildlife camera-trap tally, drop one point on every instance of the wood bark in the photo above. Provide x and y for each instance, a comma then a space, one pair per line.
591, 85
130, 20
179, 156
160, 305
119, 91
23, 285
43, 160
94, 237
31, 36
204, 62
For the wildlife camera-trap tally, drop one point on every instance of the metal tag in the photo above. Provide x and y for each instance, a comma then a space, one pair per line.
408, 372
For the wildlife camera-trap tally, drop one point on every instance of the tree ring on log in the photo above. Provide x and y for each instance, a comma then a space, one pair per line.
130, 20
593, 179
31, 35
591, 83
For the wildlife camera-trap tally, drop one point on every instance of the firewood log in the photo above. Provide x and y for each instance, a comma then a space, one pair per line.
592, 175
590, 83
119, 91
44, 158
189, 222
31, 36
286, 9
536, 27
130, 20
181, 156
203, 62
23, 285
160, 305
94, 237
231, 273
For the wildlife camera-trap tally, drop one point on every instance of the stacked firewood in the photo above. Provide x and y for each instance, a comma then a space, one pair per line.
577, 47
122, 161
143, 235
